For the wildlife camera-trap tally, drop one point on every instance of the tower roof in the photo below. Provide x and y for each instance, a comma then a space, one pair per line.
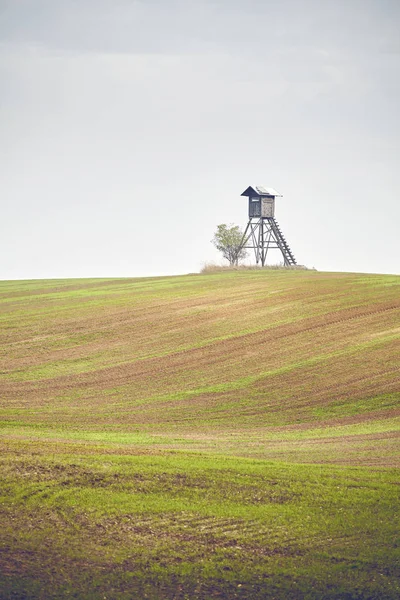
260, 190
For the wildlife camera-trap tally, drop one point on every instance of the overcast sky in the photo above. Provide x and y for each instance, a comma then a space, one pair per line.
130, 128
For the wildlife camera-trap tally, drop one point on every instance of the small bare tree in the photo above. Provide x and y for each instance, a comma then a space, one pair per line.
227, 239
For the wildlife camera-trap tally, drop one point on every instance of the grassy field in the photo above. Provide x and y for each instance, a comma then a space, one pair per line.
226, 435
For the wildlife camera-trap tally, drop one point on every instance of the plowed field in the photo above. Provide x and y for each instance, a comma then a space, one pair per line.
229, 435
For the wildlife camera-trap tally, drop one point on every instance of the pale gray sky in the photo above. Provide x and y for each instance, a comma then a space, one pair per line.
130, 128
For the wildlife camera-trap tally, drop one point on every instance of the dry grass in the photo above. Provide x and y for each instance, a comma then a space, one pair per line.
210, 267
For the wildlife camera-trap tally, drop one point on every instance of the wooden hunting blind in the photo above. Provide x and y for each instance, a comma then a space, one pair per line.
263, 232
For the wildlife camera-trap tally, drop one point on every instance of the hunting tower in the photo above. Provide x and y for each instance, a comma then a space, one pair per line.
262, 232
